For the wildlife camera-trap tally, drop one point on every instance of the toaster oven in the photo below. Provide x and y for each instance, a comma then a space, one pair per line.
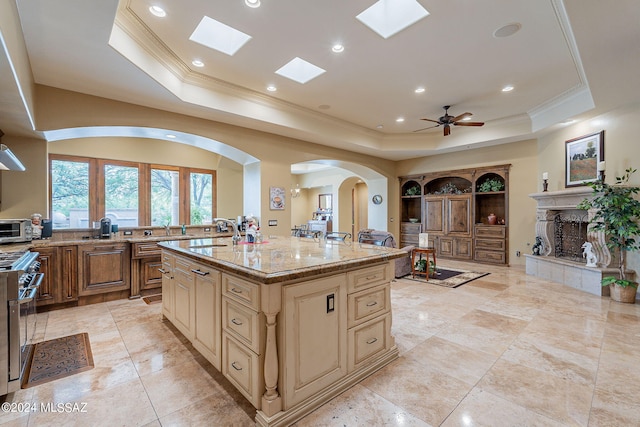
15, 230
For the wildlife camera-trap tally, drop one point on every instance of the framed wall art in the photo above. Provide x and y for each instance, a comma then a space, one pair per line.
582, 157
276, 198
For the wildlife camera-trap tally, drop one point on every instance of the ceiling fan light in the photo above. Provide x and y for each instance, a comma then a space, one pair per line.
252, 3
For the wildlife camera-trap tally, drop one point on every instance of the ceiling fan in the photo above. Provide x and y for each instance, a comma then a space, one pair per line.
448, 120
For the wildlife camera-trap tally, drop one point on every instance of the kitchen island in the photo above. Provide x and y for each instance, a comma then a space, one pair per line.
291, 322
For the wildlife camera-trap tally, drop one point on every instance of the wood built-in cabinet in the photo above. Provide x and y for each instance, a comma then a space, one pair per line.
60, 268
453, 207
103, 268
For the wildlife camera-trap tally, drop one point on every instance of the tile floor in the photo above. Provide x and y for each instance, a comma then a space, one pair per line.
504, 350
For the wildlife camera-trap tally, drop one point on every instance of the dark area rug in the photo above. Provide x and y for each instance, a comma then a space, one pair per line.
448, 278
153, 299
58, 358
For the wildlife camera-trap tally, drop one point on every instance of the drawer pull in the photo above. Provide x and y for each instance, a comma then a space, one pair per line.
236, 322
162, 270
372, 340
200, 273
235, 367
236, 290
371, 277
372, 303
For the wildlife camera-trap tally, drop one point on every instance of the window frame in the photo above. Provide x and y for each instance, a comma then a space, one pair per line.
97, 183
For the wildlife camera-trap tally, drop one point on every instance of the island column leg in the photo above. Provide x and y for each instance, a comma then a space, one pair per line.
271, 306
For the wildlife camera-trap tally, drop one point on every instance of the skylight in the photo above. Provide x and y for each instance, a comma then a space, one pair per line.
300, 70
219, 36
388, 17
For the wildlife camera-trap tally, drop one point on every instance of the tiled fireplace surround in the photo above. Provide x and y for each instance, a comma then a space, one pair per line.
570, 273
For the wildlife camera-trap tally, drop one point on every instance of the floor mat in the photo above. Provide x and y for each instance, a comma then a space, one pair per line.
58, 358
449, 278
152, 299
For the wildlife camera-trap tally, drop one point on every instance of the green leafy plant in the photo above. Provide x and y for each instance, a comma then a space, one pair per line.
421, 265
413, 191
491, 184
617, 214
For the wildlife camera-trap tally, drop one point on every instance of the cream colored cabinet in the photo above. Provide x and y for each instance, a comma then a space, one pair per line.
168, 262
207, 331
369, 314
183, 297
243, 337
314, 326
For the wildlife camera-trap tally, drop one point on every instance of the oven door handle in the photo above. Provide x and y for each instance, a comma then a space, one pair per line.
30, 297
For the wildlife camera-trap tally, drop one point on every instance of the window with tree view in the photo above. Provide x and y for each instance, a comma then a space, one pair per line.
132, 194
70, 194
201, 198
121, 195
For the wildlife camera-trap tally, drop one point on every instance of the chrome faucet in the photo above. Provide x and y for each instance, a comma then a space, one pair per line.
236, 233
167, 229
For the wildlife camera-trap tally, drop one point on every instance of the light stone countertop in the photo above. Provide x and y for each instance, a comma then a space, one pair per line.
279, 259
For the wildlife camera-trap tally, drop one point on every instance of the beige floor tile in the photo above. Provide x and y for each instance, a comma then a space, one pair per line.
177, 387
481, 408
124, 405
425, 392
210, 411
560, 399
359, 406
458, 361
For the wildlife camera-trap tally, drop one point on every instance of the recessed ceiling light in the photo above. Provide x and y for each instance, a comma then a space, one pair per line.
507, 88
419, 90
568, 122
218, 36
170, 136
388, 17
300, 70
379, 126
197, 63
507, 30
252, 3
158, 11
337, 48
272, 88
400, 120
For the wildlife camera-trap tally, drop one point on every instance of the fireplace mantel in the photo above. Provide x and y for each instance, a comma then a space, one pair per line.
550, 204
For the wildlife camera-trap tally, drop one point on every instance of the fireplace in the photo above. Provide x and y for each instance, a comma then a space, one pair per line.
562, 229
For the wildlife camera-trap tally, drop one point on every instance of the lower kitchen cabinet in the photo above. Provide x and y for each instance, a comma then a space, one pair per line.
207, 331
103, 268
60, 267
167, 271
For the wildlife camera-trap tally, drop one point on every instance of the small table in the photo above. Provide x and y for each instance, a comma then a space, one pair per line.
420, 251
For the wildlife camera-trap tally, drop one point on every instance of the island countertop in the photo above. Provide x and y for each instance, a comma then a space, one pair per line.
279, 259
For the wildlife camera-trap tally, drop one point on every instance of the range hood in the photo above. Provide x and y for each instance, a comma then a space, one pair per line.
8, 160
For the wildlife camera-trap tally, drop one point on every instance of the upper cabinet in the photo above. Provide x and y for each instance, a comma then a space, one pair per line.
465, 212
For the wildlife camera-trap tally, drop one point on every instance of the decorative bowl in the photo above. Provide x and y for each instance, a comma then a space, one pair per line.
414, 220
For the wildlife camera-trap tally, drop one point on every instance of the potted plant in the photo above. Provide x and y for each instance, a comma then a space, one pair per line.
616, 214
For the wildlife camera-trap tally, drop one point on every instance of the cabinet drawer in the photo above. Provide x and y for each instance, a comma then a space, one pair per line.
148, 249
490, 256
368, 340
491, 231
367, 304
203, 270
491, 244
183, 267
369, 277
242, 368
410, 238
241, 291
410, 228
243, 324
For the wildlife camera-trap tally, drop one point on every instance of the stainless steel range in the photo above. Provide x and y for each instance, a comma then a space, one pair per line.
19, 282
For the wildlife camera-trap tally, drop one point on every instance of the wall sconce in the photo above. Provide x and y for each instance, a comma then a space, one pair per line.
295, 192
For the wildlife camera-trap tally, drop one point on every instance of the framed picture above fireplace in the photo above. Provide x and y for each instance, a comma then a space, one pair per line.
583, 155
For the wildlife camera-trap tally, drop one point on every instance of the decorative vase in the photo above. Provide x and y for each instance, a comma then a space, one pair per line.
492, 219
626, 294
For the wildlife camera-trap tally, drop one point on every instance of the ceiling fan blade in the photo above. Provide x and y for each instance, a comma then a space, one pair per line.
430, 120
430, 127
469, 123
461, 116
447, 130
